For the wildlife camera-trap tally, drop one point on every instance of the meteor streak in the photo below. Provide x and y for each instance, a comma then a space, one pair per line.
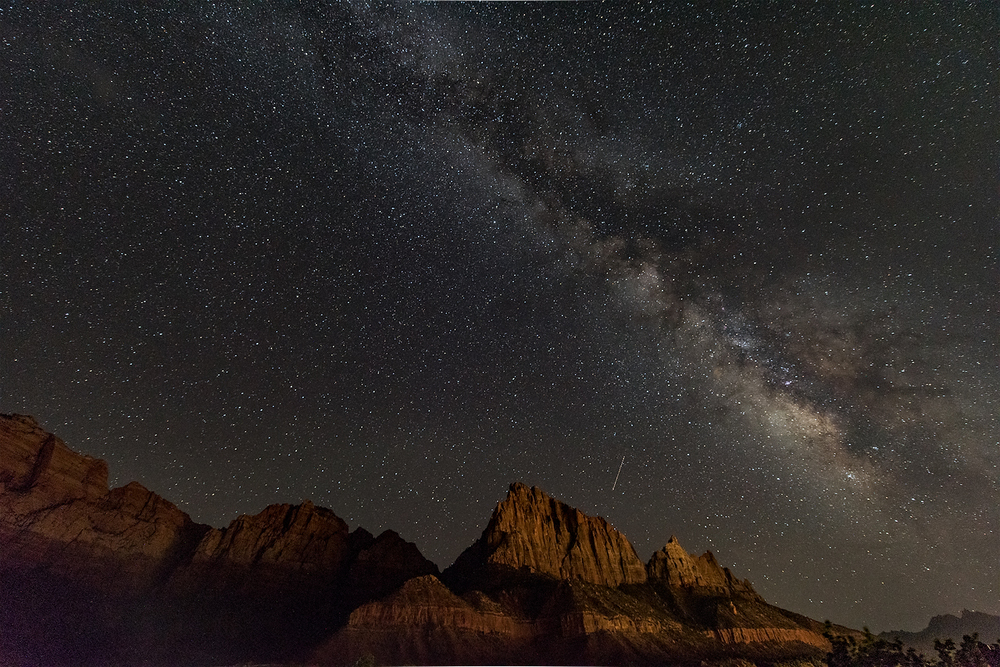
619, 473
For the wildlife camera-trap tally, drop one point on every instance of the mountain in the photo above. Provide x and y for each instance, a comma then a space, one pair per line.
529, 531
949, 626
548, 584
92, 576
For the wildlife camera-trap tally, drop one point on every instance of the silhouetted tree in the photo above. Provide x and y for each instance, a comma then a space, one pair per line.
971, 653
946, 652
872, 651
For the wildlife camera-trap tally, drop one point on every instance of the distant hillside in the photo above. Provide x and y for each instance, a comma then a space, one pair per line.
949, 626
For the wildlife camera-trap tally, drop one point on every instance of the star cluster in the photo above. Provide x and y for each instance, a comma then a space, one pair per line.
393, 257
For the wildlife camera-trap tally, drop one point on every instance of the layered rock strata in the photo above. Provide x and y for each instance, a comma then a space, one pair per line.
530, 532
69, 546
91, 575
546, 583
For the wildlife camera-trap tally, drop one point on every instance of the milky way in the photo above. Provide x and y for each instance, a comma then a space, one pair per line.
394, 257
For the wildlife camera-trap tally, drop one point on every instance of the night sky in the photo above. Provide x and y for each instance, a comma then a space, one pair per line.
394, 257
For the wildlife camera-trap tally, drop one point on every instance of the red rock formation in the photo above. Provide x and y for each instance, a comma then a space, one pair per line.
57, 515
546, 583
107, 557
91, 575
676, 568
381, 565
425, 602
769, 635
282, 548
425, 623
534, 533
31, 459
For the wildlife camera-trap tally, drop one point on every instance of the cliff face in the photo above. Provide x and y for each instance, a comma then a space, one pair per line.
677, 569
58, 515
31, 459
531, 532
567, 622
283, 548
546, 583
91, 575
69, 545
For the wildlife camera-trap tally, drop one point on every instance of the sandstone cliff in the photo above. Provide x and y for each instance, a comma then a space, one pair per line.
530, 532
58, 515
31, 459
546, 583
424, 622
91, 575
676, 568
284, 547
70, 547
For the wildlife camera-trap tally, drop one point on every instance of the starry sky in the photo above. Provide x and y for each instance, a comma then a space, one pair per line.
394, 257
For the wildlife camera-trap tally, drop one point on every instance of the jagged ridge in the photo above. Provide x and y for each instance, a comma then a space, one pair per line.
93, 575
534, 533
546, 583
67, 539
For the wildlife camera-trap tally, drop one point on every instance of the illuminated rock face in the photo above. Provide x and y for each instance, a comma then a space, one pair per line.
92, 575
57, 515
532, 532
36, 461
71, 546
676, 568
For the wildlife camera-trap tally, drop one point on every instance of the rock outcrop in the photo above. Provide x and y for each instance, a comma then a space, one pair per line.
569, 621
58, 516
380, 565
426, 603
283, 548
530, 532
677, 569
70, 547
31, 459
546, 583
92, 575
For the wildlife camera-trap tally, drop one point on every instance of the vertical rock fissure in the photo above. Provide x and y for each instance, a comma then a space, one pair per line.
42, 461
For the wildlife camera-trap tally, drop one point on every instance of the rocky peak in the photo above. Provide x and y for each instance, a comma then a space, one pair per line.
305, 534
57, 513
535, 533
288, 548
39, 462
678, 569
382, 564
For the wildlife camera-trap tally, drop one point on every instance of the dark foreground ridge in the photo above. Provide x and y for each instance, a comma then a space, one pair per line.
94, 576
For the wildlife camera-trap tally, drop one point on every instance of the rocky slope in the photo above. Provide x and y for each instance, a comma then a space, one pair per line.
547, 584
91, 576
